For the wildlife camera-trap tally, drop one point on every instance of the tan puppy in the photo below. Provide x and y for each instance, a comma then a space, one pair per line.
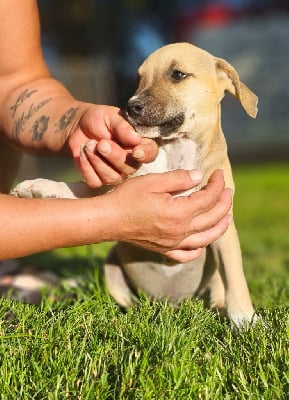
178, 103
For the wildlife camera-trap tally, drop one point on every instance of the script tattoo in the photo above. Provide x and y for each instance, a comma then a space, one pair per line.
39, 127
21, 98
66, 118
25, 116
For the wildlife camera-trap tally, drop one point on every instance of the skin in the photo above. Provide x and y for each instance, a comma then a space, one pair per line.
39, 115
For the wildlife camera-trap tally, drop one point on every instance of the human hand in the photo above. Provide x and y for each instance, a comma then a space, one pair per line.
106, 148
145, 213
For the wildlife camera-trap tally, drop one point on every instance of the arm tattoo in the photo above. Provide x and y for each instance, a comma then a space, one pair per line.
66, 119
20, 122
20, 99
39, 127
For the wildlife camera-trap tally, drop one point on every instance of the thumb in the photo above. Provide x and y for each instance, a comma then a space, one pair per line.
175, 181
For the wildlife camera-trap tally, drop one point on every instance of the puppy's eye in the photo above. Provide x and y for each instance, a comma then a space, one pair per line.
178, 75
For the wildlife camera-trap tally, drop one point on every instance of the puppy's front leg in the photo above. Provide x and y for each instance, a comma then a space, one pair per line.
46, 188
238, 304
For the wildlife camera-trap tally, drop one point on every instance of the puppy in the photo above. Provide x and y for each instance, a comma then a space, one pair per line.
177, 103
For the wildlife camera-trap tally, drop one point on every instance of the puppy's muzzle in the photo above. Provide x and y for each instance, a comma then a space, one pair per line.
135, 107
149, 118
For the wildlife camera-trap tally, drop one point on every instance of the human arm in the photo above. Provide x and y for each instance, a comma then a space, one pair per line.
39, 115
178, 227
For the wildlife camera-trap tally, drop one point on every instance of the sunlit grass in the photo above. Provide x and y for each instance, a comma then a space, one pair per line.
82, 346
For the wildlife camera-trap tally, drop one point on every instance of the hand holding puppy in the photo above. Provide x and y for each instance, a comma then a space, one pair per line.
147, 214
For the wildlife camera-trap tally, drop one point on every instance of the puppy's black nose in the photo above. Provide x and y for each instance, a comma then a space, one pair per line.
135, 107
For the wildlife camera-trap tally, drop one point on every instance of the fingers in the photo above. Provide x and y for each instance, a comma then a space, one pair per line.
183, 256
107, 122
119, 127
204, 238
173, 181
146, 152
95, 170
108, 161
206, 198
192, 247
105, 162
210, 218
110, 147
88, 172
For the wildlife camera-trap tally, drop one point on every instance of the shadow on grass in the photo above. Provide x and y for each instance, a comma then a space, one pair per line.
67, 262
77, 275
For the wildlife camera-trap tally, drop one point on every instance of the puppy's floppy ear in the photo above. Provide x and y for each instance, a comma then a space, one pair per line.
230, 81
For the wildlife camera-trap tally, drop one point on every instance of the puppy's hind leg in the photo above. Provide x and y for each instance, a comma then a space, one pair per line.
217, 293
115, 280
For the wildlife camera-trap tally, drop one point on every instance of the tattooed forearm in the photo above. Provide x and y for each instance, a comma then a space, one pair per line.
20, 99
31, 116
21, 122
66, 119
39, 127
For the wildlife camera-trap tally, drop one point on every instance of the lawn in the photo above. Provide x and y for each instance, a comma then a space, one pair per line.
79, 345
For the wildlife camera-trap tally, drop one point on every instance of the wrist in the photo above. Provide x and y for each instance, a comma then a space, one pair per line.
75, 137
100, 223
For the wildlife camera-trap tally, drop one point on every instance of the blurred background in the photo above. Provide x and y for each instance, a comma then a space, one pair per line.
95, 47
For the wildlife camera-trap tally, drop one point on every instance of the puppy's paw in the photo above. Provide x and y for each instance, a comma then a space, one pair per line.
41, 188
241, 321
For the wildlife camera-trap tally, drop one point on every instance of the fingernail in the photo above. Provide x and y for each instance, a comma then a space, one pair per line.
104, 147
82, 152
134, 133
138, 154
230, 219
90, 146
196, 175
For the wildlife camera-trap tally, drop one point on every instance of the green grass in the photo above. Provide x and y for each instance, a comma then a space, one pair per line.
84, 347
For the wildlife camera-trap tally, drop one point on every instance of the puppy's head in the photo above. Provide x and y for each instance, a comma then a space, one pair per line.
179, 90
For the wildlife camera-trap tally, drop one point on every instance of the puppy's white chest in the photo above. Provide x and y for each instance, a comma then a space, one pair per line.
178, 154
